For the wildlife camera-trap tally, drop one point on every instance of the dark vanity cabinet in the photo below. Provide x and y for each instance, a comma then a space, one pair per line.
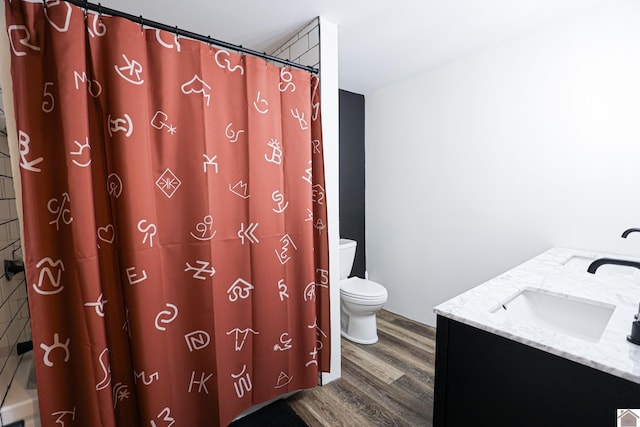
482, 379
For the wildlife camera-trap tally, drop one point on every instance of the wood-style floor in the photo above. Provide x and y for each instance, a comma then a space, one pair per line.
389, 383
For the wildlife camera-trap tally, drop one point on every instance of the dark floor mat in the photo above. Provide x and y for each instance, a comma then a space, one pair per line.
277, 414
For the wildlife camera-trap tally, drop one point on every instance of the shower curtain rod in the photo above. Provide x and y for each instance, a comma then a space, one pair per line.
180, 32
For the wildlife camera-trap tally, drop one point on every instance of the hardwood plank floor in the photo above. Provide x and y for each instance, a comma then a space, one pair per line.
389, 383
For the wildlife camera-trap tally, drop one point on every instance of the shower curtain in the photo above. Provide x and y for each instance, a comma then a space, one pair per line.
174, 220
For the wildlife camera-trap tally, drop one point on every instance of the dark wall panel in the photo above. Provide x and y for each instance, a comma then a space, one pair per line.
352, 174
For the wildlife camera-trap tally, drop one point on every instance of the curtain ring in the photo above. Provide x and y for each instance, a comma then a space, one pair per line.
141, 24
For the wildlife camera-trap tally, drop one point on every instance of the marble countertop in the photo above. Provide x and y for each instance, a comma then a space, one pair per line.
561, 271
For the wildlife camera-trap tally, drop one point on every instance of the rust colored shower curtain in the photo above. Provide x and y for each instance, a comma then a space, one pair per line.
175, 222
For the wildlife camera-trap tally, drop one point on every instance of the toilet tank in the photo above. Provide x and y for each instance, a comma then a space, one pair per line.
347, 255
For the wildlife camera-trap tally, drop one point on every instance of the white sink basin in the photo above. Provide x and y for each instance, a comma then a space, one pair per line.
578, 318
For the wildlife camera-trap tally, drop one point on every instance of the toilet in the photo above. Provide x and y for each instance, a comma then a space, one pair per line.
360, 299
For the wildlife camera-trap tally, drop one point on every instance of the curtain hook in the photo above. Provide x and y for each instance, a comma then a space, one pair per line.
44, 3
210, 43
141, 24
100, 12
177, 35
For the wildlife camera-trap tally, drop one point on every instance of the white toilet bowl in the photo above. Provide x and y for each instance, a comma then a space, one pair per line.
360, 300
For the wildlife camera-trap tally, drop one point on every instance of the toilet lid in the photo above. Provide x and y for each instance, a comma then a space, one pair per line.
362, 288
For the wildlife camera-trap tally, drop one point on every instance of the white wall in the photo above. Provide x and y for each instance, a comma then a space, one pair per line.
483, 163
330, 140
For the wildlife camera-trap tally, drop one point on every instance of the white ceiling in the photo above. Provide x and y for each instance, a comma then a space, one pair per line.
380, 41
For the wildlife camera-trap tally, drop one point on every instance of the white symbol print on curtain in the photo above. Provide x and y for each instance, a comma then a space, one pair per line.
53, 3
159, 121
149, 231
241, 336
114, 185
93, 86
276, 152
262, 101
200, 270
48, 102
62, 414
197, 85
81, 148
316, 146
314, 355
283, 380
24, 41
124, 124
300, 117
240, 189
166, 417
106, 234
282, 290
99, 29
166, 316
54, 286
205, 229
106, 368
240, 289
227, 64
133, 67
202, 383
24, 140
209, 161
98, 305
318, 346
287, 79
248, 233
324, 277
120, 393
168, 183
315, 111
309, 174
60, 209
134, 277
143, 376
56, 344
197, 340
284, 344
125, 326
287, 244
278, 198
168, 45
231, 134
317, 194
310, 292
243, 383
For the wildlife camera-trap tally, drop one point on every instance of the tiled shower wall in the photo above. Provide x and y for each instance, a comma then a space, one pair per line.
14, 310
304, 47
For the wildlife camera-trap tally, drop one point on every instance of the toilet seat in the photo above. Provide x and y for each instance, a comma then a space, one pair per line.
363, 290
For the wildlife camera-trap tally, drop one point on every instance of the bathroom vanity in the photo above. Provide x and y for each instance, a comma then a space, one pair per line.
543, 344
